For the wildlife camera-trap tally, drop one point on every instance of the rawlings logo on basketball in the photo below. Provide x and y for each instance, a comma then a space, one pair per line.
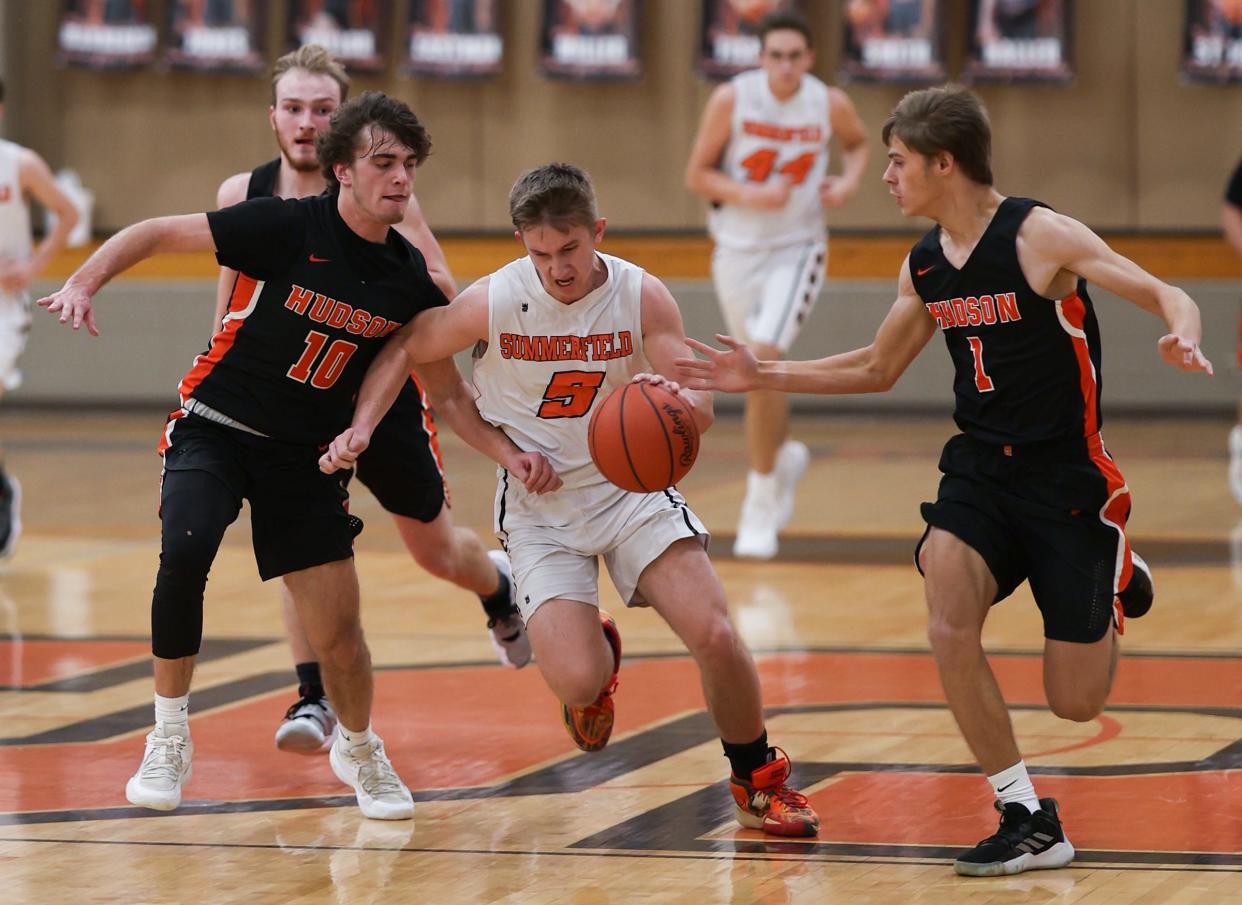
643, 438
683, 428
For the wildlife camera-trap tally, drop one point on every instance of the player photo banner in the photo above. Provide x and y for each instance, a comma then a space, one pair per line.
893, 41
106, 35
590, 39
216, 34
1020, 41
353, 31
1213, 41
729, 34
454, 38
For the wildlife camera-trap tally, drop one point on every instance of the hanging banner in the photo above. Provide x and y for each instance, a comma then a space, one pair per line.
893, 41
1213, 41
1019, 41
590, 39
454, 38
351, 30
111, 35
729, 34
216, 34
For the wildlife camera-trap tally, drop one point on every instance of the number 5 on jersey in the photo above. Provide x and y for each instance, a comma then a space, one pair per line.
570, 394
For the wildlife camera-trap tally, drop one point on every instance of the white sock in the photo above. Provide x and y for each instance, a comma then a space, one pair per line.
762, 485
172, 715
353, 738
1013, 784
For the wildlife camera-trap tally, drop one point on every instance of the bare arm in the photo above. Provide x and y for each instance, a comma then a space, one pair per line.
414, 227
703, 174
184, 232
433, 335
664, 341
37, 181
454, 404
232, 191
849, 130
873, 369
1051, 245
1231, 222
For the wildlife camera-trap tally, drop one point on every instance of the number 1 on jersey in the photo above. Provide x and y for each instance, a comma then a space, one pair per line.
983, 383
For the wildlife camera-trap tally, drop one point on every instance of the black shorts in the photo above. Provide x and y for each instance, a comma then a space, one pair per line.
402, 465
1053, 514
298, 514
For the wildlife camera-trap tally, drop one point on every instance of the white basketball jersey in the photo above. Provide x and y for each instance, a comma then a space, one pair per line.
774, 139
548, 364
14, 211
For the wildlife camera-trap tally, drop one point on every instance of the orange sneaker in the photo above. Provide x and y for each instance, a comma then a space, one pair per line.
590, 726
766, 803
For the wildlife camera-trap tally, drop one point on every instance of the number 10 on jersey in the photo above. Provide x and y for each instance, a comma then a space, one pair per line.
331, 364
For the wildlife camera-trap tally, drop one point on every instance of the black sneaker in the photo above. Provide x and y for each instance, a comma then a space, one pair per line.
1137, 597
10, 513
1023, 841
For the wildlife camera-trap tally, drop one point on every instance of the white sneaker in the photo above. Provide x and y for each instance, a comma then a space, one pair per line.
1235, 462
381, 793
166, 767
309, 727
760, 518
508, 632
791, 462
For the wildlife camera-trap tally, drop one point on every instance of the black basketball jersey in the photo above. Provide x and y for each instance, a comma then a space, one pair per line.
262, 182
312, 304
1027, 368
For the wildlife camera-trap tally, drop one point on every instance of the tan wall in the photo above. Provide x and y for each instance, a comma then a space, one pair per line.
1127, 146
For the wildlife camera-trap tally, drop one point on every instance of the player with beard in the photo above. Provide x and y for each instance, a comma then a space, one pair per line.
403, 467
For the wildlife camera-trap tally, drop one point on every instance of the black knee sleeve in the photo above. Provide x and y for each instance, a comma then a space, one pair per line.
196, 507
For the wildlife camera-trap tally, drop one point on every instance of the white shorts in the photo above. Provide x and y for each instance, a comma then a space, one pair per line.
15, 319
554, 540
766, 295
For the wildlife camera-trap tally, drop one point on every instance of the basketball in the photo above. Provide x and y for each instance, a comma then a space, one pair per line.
643, 438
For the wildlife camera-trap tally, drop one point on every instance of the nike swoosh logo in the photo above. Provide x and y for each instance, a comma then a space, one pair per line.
315, 259
1003, 788
919, 272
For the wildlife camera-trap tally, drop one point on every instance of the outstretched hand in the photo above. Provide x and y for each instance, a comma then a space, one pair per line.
344, 451
72, 304
1182, 353
733, 371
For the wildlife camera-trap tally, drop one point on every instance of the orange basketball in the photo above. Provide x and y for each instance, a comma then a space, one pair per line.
643, 438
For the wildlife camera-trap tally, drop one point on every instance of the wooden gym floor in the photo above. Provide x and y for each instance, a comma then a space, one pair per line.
508, 810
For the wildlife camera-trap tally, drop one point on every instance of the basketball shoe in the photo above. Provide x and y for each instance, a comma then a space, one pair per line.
165, 768
769, 502
505, 627
591, 726
381, 793
1235, 462
1137, 597
1023, 841
764, 802
309, 726
10, 513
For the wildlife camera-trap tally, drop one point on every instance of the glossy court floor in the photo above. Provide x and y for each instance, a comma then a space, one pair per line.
508, 810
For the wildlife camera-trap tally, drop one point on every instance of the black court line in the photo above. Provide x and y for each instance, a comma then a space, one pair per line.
914, 861
889, 550
212, 649
579, 773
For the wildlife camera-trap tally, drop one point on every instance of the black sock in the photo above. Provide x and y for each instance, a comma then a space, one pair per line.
309, 683
746, 758
498, 604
